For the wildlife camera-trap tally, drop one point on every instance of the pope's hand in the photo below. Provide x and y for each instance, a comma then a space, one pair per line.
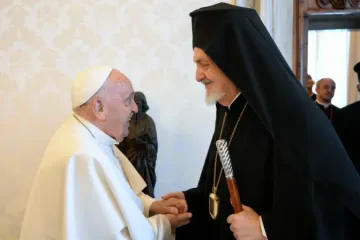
177, 195
246, 225
179, 220
167, 206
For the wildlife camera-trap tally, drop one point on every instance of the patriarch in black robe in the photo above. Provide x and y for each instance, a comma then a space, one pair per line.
291, 168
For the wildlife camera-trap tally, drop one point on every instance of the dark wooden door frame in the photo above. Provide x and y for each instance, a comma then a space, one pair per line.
319, 14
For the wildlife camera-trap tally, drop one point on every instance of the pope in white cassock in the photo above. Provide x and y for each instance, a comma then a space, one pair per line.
85, 188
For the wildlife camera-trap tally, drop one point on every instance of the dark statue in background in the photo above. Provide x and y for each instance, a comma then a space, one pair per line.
141, 145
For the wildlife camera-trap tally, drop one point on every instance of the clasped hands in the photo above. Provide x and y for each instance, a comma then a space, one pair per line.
244, 225
175, 208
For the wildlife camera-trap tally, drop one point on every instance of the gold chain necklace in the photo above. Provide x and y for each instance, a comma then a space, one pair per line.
214, 199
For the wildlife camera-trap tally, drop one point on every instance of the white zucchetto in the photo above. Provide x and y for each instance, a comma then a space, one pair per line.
87, 83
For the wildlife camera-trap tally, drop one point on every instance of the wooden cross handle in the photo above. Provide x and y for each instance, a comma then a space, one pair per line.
234, 195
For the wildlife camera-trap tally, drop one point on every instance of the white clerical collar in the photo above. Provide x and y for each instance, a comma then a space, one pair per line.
99, 135
326, 105
234, 99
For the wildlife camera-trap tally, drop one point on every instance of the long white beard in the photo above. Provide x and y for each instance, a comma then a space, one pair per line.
213, 97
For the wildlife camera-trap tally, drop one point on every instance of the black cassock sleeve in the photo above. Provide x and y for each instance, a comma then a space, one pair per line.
198, 207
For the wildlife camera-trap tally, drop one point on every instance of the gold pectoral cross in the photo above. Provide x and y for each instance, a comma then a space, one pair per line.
214, 201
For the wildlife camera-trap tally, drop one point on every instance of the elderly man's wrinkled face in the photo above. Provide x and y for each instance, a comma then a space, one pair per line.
326, 89
208, 73
119, 106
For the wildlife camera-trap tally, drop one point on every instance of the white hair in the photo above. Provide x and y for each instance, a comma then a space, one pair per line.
212, 98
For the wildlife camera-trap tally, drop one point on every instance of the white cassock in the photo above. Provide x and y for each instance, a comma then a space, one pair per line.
81, 193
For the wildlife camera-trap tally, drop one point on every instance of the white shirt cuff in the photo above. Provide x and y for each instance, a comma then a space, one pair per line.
262, 227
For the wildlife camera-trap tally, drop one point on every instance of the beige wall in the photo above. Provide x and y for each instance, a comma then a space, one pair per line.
44, 43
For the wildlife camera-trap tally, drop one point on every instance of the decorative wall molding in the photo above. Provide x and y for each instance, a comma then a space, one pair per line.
338, 4
329, 14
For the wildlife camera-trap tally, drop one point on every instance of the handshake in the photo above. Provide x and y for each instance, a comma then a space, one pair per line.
244, 225
174, 206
